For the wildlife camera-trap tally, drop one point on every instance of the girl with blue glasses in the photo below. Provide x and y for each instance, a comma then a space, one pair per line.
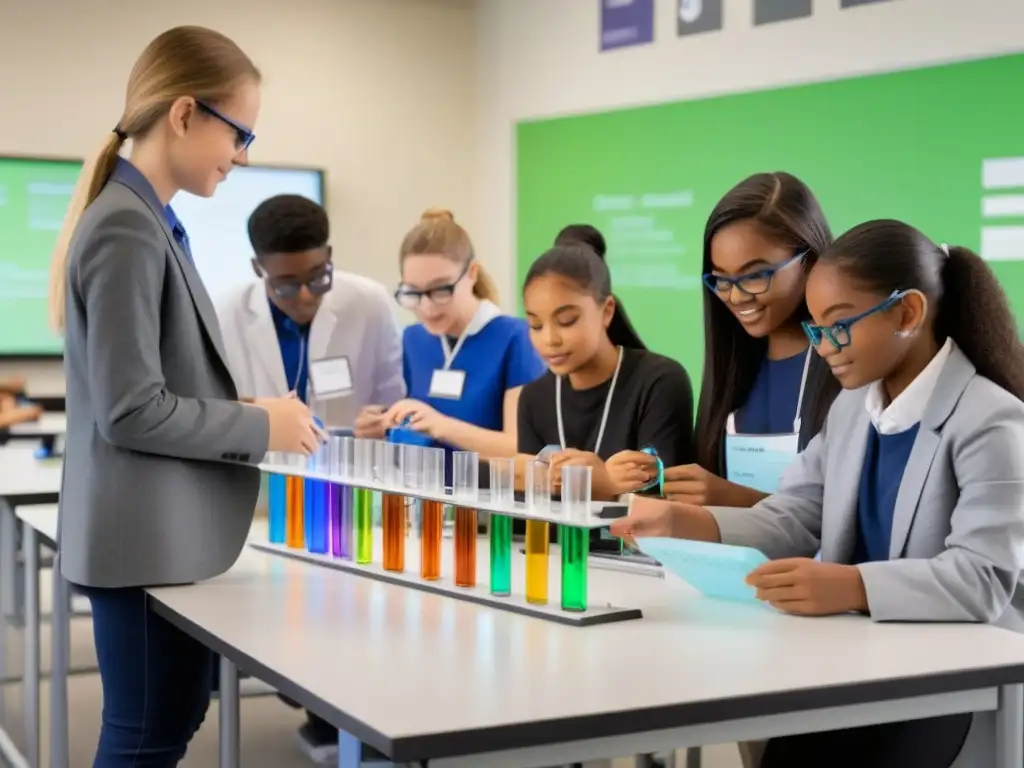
914, 489
764, 394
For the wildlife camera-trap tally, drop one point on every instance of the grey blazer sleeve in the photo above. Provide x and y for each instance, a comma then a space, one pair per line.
787, 524
975, 577
119, 277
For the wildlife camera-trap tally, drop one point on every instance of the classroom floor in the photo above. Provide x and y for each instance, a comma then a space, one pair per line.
268, 726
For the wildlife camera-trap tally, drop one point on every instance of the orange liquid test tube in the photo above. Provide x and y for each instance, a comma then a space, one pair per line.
295, 531
431, 526
465, 547
394, 528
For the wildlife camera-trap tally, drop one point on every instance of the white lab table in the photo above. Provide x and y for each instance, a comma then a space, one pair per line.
444, 683
49, 424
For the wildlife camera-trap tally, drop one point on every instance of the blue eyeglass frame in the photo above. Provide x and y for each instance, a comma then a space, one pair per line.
243, 136
710, 279
816, 333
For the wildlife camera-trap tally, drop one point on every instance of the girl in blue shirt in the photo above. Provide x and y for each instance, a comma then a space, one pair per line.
465, 362
764, 394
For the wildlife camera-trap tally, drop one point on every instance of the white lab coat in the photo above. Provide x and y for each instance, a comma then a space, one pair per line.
355, 320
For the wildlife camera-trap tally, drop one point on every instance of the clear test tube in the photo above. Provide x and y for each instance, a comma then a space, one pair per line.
431, 512
340, 496
465, 492
393, 517
502, 495
538, 535
362, 500
575, 539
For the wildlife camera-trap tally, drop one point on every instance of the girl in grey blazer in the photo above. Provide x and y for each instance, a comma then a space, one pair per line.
159, 479
914, 490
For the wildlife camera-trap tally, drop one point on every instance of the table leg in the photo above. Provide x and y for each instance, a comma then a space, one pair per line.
1010, 727
230, 753
693, 757
60, 623
350, 751
8, 560
30, 551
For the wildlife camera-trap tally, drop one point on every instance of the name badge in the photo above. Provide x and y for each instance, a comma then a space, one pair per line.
331, 377
447, 384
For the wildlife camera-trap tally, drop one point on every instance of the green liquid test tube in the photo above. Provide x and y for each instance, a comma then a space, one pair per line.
575, 552
362, 503
501, 555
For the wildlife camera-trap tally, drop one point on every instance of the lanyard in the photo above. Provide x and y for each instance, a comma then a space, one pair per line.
604, 416
449, 351
298, 371
730, 426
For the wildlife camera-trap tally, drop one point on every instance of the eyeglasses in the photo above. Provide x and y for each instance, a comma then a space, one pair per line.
243, 136
751, 283
839, 334
442, 294
288, 288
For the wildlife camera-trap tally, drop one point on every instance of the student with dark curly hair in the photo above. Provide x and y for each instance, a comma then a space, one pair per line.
307, 327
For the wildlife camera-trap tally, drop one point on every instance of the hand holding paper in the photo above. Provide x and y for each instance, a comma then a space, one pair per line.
715, 570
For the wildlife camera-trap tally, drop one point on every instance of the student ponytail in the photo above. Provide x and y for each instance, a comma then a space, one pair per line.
183, 62
975, 313
621, 330
965, 298
485, 288
91, 179
581, 266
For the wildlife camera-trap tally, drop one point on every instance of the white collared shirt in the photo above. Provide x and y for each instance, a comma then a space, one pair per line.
908, 408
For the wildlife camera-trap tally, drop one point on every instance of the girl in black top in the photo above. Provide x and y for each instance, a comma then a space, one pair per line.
602, 394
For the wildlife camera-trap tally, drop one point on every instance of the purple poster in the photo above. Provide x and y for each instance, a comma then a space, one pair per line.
626, 22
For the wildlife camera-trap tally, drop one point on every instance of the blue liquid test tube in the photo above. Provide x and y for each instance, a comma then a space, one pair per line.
278, 508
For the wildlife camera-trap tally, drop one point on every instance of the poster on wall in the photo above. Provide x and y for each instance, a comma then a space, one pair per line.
696, 16
626, 22
770, 11
855, 3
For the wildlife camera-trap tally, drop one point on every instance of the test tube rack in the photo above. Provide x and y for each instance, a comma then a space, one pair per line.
595, 611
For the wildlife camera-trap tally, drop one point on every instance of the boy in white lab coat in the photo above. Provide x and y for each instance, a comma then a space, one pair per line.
327, 335
306, 327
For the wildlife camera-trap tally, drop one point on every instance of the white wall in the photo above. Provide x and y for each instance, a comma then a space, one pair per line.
378, 92
539, 58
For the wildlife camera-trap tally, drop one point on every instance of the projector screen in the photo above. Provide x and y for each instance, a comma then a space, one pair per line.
34, 194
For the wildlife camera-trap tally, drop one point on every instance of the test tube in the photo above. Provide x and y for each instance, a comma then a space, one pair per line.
502, 495
431, 512
465, 490
538, 536
393, 518
295, 533
362, 501
277, 508
575, 539
340, 500
316, 500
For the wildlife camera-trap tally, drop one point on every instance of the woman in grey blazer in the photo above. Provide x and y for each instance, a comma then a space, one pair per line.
159, 479
914, 490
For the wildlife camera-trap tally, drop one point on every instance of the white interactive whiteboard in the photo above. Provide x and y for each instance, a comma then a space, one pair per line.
217, 226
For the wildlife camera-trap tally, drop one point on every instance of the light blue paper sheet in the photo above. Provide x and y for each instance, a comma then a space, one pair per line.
714, 570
